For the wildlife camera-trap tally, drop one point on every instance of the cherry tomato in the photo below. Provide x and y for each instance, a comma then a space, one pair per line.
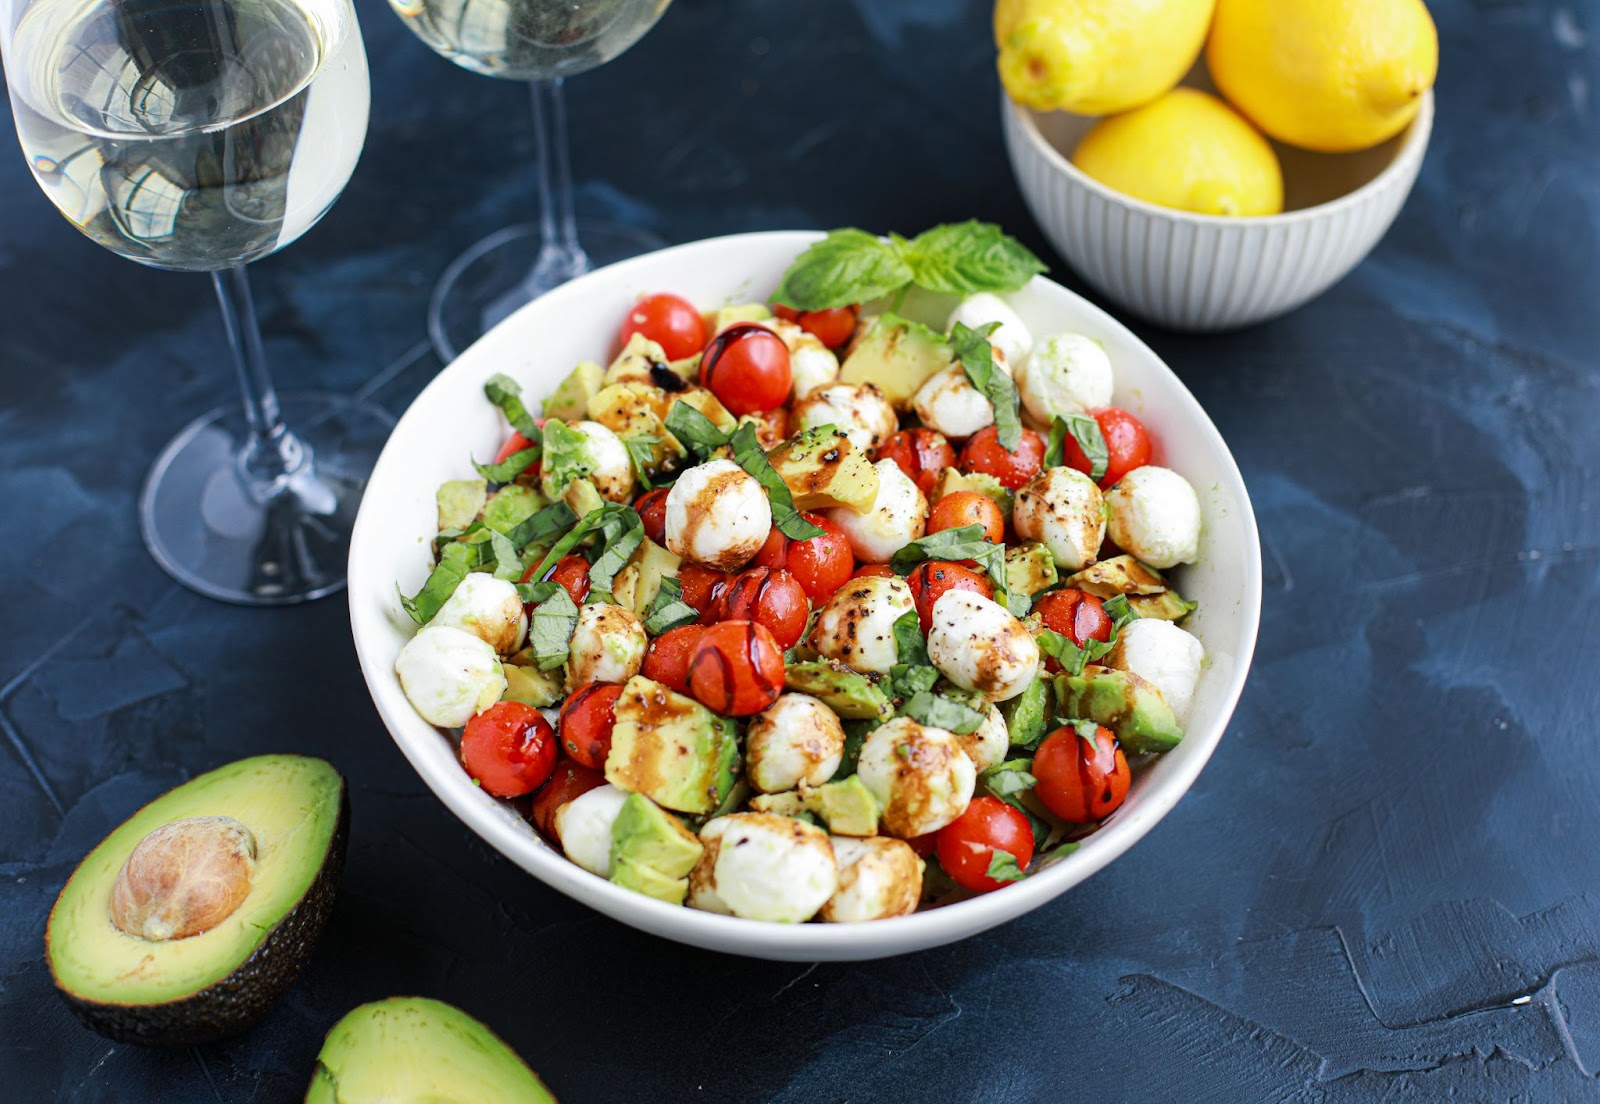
968, 843
509, 748
788, 314
736, 668
772, 427
1127, 445
960, 508
921, 453
821, 564
1078, 783
568, 782
515, 444
768, 595
699, 585
924, 845
1078, 616
984, 453
667, 658
929, 581
670, 321
833, 327
652, 507
572, 572
586, 722
871, 571
746, 366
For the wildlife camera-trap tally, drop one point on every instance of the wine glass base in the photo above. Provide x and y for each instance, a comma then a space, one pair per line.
205, 528
495, 277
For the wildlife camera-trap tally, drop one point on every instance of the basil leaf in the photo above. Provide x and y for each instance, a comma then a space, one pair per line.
976, 355
668, 610
507, 564
749, 455
694, 431
537, 591
456, 560
512, 466
965, 257
1119, 611
1087, 732
621, 532
642, 451
1055, 448
1071, 657
1006, 780
910, 648
542, 525
1003, 867
1091, 440
848, 266
938, 711
907, 682
964, 543
506, 393
550, 629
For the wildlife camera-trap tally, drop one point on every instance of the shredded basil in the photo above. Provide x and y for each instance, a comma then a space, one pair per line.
621, 532
1091, 441
1120, 612
512, 466
749, 455
550, 628
668, 610
506, 393
976, 355
456, 560
938, 711
1003, 867
695, 432
1071, 657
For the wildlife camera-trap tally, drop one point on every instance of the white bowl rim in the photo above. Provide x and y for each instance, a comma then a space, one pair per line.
798, 942
1417, 134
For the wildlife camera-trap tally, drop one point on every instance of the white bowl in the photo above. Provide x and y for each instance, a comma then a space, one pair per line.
1204, 272
451, 422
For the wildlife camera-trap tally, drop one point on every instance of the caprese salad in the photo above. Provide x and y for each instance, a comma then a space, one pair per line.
806, 610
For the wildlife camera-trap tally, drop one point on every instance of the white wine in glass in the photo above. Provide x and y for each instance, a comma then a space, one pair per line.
200, 135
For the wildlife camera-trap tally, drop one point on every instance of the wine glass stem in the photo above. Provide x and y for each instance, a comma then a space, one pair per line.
560, 255
271, 453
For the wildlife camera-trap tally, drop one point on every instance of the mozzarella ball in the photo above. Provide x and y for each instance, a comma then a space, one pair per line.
762, 866
878, 878
898, 516
717, 515
1012, 338
449, 675
950, 404
612, 472
920, 776
583, 825
856, 627
859, 410
987, 744
811, 363
1155, 515
489, 609
979, 645
1067, 374
607, 645
1162, 654
796, 741
1064, 510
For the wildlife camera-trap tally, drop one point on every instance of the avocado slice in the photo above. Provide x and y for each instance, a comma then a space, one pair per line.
823, 469
789, 804
1123, 702
635, 361
459, 501
951, 480
163, 987
653, 563
1028, 714
671, 748
570, 401
846, 806
647, 835
634, 411
739, 312
527, 684
850, 694
1169, 605
896, 354
650, 882
411, 1050
1118, 575
1030, 568
512, 505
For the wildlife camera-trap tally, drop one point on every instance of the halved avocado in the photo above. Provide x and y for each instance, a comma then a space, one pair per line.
411, 1050
273, 829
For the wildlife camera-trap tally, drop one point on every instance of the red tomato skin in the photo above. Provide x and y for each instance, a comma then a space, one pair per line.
967, 844
747, 368
699, 585
1076, 615
572, 572
984, 453
768, 595
834, 326
570, 780
587, 718
736, 669
514, 444
873, 571
666, 660
932, 579
961, 508
652, 508
926, 845
921, 453
821, 564
1075, 785
670, 321
509, 748
788, 314
1128, 446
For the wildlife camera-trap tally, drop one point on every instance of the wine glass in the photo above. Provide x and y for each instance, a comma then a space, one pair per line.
542, 42
200, 135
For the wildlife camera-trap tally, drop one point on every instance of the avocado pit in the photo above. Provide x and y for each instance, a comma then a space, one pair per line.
184, 878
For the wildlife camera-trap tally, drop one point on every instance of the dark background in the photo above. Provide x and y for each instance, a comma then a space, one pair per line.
1383, 886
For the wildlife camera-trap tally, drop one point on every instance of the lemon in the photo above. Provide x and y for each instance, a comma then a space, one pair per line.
1328, 75
1095, 57
1187, 150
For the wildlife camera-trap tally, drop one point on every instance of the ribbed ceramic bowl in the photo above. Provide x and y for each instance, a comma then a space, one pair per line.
1203, 272
451, 422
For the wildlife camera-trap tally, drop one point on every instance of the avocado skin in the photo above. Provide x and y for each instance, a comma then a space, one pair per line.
237, 1002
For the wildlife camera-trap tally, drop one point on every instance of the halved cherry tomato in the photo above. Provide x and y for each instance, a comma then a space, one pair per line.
509, 748
586, 721
515, 444
924, 845
1075, 615
931, 580
834, 326
736, 668
768, 595
747, 368
652, 507
984, 453
1128, 445
772, 426
572, 572
670, 321
968, 843
960, 508
1077, 782
699, 585
821, 564
569, 781
870, 571
921, 453
667, 658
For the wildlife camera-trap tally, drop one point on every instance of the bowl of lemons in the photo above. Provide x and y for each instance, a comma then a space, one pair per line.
1211, 164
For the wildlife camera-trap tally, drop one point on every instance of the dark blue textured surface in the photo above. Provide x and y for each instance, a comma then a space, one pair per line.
1385, 886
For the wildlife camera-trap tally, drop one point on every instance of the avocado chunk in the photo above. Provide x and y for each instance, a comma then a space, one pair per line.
698, 398
527, 684
512, 505
847, 807
1027, 715
582, 496
951, 481
823, 469
634, 412
411, 1050
459, 501
850, 694
1169, 605
1118, 575
652, 883
570, 401
739, 312
653, 563
896, 354
671, 748
636, 361
1030, 568
789, 804
167, 951
647, 835
1123, 702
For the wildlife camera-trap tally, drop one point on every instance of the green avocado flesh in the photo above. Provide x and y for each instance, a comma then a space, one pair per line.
410, 1050
128, 987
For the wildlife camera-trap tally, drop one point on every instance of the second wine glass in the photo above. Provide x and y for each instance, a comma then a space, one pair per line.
542, 42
